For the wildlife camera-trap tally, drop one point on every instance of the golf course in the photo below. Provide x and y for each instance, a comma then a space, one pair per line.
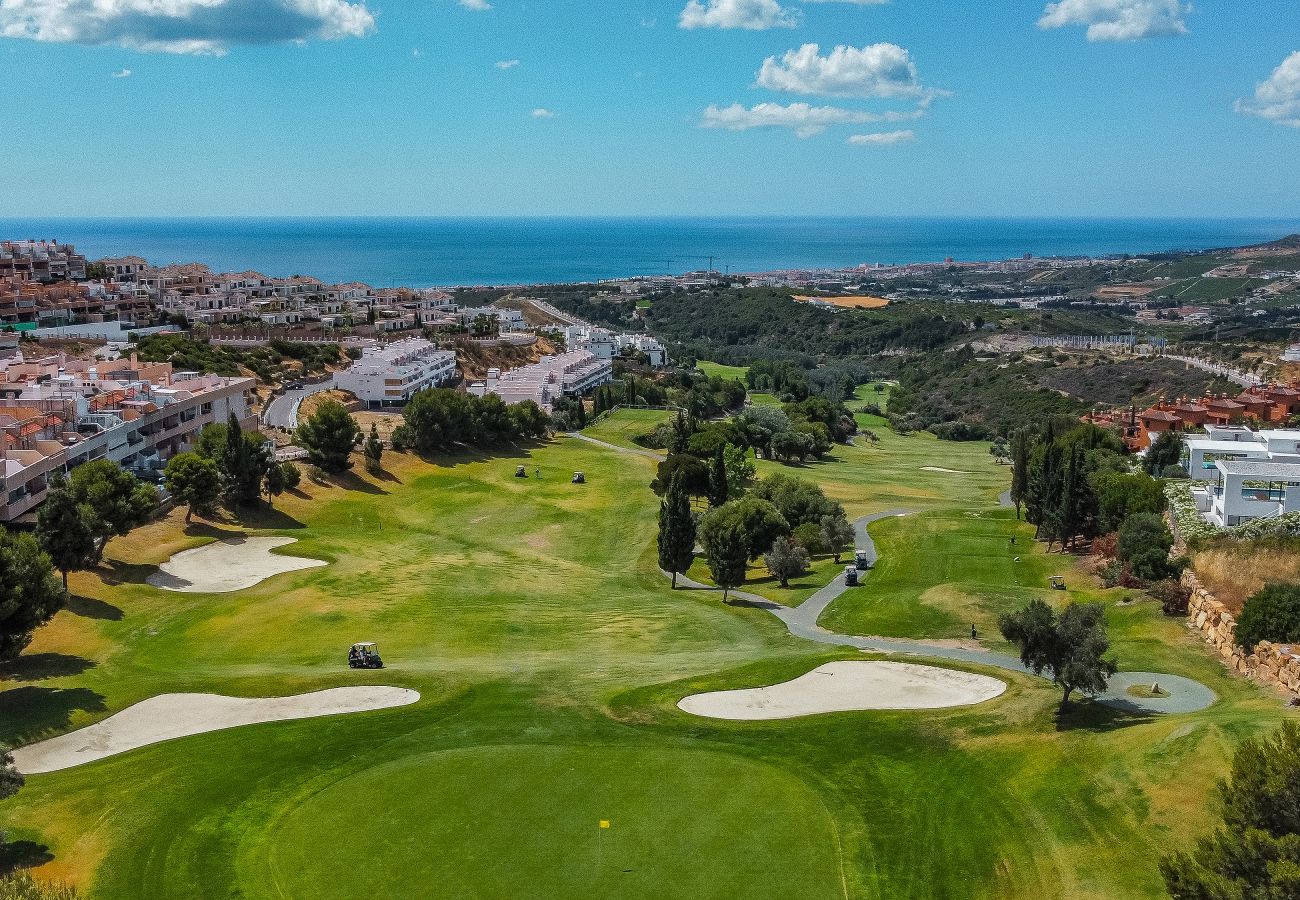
547, 754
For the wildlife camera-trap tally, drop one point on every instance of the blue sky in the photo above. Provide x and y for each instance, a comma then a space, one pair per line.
414, 107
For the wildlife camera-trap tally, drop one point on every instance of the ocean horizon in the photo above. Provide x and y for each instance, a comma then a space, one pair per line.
456, 251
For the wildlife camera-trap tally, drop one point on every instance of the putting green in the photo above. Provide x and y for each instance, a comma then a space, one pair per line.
526, 821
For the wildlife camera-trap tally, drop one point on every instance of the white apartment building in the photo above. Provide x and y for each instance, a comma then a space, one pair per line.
569, 374
390, 375
608, 344
507, 319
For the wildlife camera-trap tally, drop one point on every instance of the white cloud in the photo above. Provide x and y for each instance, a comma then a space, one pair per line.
124, 73
1278, 98
476, 5
505, 64
417, 52
880, 70
751, 15
801, 118
1119, 20
882, 138
542, 113
183, 26
853, 2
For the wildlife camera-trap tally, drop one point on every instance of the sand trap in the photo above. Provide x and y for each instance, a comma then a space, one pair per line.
943, 470
229, 565
845, 686
170, 716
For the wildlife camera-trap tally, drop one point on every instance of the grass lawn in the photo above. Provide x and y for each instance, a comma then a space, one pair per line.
550, 655
718, 370
622, 426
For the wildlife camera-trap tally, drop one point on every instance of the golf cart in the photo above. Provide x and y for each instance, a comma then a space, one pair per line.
579, 478
861, 560
521, 472
1058, 583
364, 656
850, 576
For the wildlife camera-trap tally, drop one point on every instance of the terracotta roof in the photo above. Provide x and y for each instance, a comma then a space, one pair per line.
1158, 415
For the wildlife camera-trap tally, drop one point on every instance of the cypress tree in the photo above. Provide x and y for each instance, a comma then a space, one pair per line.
718, 488
676, 530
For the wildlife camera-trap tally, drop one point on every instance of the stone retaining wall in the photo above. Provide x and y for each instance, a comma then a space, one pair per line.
1272, 665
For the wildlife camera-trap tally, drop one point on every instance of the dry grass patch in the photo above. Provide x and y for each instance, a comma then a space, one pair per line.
1233, 574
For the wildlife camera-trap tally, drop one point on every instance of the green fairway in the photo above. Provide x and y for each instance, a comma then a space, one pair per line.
550, 655
718, 370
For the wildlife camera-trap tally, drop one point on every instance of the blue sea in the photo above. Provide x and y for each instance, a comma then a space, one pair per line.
428, 252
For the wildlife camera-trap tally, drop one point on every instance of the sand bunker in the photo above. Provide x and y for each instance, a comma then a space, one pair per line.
229, 565
845, 686
943, 470
169, 716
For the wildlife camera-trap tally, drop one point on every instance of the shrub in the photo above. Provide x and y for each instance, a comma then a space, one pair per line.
1173, 596
1107, 545
1144, 544
1272, 614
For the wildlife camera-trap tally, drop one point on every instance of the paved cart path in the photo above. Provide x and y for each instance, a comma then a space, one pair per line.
1184, 694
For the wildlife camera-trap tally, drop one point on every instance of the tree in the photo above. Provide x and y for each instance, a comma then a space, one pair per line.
116, 499
740, 471
530, 420
789, 446
1122, 495
786, 560
1270, 614
799, 500
682, 431
726, 549
695, 475
1144, 543
374, 449
758, 520
809, 536
837, 533
1071, 646
1256, 854
244, 461
64, 532
718, 479
328, 436
676, 530
195, 481
1166, 450
30, 592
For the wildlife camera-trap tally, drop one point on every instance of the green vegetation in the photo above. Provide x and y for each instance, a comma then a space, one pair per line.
1071, 646
443, 420
1271, 614
1256, 853
277, 361
328, 436
550, 654
22, 886
195, 481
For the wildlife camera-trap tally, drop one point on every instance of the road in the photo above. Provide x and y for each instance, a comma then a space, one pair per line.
1244, 379
282, 411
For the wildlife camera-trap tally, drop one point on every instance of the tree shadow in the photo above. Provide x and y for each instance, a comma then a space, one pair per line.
1101, 716
40, 666
350, 481
265, 516
23, 855
29, 712
114, 572
90, 608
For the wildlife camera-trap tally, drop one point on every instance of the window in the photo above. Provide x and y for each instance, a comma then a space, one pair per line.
1209, 459
1267, 491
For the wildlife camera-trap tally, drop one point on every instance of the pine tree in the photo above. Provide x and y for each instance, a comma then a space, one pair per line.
727, 550
676, 530
681, 434
64, 532
244, 462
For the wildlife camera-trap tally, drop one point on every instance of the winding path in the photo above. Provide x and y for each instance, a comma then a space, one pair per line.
1184, 694
633, 451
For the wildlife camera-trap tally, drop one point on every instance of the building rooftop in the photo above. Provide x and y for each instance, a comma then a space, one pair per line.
1260, 468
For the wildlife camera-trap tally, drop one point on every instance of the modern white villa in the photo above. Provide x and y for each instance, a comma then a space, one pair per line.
1244, 475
